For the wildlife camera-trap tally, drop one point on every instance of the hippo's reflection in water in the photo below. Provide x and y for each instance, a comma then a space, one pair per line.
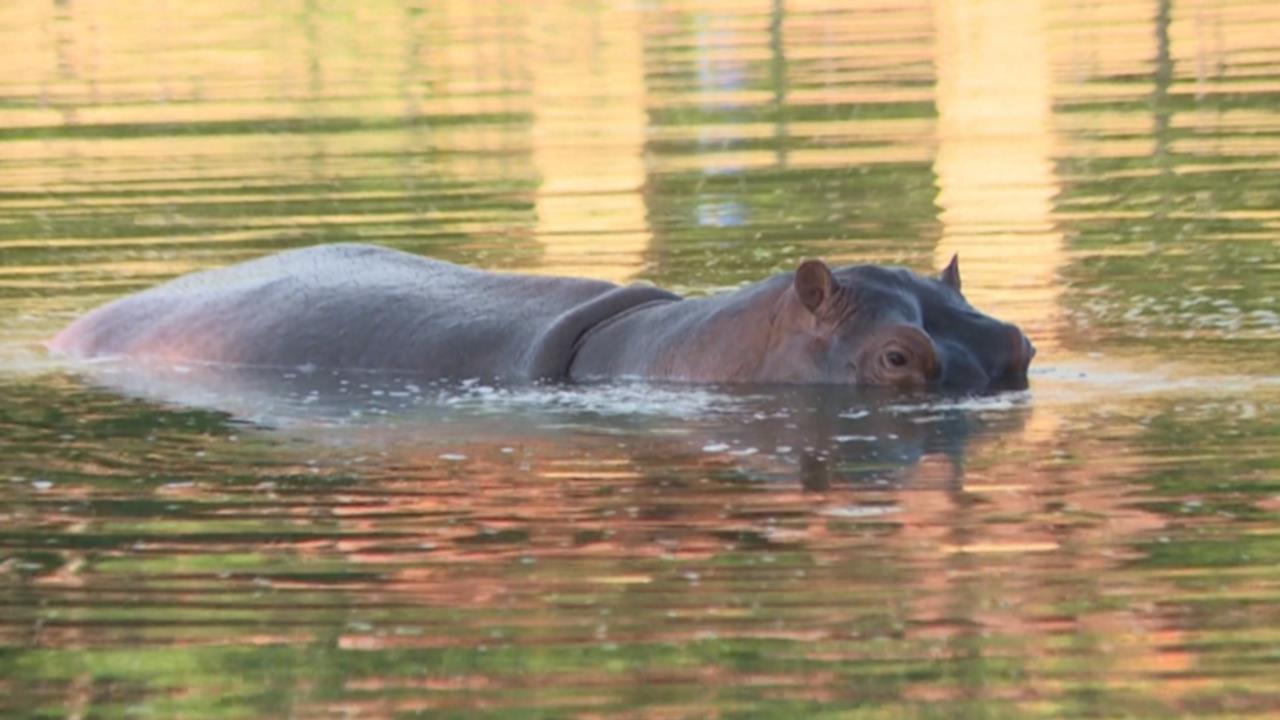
818, 435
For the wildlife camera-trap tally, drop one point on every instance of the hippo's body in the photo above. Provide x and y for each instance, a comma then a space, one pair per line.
355, 306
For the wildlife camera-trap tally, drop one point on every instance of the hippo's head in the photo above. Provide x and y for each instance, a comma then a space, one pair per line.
876, 326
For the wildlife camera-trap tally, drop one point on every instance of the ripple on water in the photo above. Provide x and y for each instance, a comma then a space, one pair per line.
1103, 544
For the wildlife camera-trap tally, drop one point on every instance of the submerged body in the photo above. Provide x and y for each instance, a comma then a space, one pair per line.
364, 307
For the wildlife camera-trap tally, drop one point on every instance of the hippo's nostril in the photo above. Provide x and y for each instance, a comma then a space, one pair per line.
1024, 357
1022, 349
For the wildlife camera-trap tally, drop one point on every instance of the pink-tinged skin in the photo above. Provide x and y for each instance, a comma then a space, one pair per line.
362, 307
860, 325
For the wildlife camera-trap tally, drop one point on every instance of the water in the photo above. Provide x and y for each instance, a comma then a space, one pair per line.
184, 543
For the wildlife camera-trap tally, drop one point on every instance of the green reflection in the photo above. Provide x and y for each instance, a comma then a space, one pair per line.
1103, 546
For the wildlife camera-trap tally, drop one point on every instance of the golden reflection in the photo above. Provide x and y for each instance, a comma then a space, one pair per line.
994, 161
471, 59
589, 123
966, 569
838, 157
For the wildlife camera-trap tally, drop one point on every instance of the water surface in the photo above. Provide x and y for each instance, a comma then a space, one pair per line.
185, 543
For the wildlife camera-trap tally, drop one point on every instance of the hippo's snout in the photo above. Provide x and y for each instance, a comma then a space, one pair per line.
966, 369
961, 370
1014, 374
1028, 353
906, 356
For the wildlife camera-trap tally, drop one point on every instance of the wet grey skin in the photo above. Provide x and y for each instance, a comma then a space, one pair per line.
363, 307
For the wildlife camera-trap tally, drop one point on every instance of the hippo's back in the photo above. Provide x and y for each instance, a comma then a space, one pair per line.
349, 306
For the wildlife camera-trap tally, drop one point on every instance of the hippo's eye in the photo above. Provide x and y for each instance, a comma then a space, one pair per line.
896, 359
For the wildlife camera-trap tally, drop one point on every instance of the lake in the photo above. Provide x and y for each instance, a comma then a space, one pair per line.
1107, 543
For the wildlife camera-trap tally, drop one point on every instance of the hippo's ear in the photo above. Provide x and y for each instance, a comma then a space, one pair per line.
814, 283
950, 276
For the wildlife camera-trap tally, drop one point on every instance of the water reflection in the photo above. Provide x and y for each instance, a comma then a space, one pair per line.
184, 544
481, 554
588, 147
813, 435
994, 162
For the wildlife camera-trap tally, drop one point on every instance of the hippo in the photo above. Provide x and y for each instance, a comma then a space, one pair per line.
353, 306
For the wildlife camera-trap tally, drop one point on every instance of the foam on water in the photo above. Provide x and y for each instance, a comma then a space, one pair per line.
309, 396
1087, 378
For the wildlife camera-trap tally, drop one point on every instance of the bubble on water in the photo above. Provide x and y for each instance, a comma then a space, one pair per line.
855, 438
859, 511
1002, 401
624, 400
1070, 380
